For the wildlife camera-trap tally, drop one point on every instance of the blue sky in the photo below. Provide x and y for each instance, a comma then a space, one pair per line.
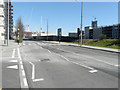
64, 15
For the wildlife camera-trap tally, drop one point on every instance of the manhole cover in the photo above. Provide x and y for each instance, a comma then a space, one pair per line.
45, 60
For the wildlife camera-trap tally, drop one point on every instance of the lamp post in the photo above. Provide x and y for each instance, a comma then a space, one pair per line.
47, 29
81, 20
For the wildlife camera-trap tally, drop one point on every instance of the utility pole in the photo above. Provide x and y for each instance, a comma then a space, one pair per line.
41, 26
81, 20
8, 26
47, 29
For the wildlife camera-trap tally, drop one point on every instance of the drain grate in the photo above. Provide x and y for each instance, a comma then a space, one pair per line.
45, 60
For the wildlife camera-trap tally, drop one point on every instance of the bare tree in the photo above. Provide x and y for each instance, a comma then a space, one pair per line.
20, 30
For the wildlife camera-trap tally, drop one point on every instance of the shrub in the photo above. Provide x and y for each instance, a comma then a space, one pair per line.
102, 37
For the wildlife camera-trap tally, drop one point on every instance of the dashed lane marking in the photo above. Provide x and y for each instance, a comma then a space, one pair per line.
13, 54
23, 79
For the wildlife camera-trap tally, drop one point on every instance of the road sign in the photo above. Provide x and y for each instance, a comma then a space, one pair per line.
59, 34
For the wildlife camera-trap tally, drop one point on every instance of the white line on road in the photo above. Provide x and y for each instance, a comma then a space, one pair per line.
92, 70
33, 73
22, 67
21, 62
13, 61
13, 54
23, 79
49, 51
92, 58
25, 82
23, 72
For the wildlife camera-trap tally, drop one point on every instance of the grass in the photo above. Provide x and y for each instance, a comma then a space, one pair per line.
107, 43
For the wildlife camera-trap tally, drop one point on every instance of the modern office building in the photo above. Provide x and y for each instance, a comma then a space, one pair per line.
94, 32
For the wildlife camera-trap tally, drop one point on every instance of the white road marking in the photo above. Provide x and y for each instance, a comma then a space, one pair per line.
92, 70
21, 62
13, 67
41, 47
25, 82
13, 61
22, 67
33, 73
29, 44
13, 54
36, 80
117, 65
23, 79
92, 58
23, 73
24, 44
49, 51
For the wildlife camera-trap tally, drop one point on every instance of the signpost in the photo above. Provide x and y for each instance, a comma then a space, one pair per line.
59, 34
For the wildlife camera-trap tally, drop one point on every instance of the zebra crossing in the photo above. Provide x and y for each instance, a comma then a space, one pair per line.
42, 44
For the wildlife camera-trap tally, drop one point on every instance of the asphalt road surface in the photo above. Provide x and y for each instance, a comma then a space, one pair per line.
40, 64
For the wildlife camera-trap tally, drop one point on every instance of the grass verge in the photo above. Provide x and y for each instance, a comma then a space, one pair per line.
107, 43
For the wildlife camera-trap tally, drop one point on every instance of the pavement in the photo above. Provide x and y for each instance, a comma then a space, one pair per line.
40, 64
90, 47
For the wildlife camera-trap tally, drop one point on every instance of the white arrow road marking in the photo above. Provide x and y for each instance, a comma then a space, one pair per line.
33, 73
93, 71
13, 67
13, 54
13, 61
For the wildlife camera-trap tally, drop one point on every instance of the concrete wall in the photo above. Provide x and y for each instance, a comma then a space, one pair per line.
53, 38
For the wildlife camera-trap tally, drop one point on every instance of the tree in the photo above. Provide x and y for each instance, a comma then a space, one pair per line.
20, 30
102, 37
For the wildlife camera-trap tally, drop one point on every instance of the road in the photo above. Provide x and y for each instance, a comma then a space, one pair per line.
42, 64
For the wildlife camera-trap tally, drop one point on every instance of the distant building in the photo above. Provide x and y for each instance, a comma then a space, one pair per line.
73, 35
77, 35
94, 32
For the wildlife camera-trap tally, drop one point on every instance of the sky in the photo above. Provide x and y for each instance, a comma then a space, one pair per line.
65, 15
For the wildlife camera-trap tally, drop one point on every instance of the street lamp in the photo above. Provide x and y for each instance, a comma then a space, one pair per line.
81, 22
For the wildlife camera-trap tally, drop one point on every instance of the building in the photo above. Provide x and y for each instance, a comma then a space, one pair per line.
4, 16
2, 29
94, 32
73, 34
